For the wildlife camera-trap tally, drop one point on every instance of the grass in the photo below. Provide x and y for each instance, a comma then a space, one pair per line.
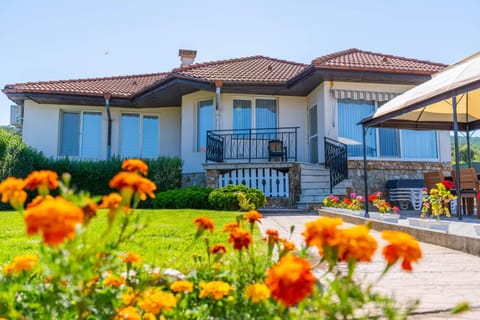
167, 240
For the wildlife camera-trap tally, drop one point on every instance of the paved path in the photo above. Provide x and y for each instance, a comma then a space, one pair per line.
441, 279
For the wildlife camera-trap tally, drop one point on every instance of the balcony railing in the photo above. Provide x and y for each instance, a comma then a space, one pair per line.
246, 145
336, 160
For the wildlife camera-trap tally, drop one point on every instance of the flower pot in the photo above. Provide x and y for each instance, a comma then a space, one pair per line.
385, 217
429, 224
476, 227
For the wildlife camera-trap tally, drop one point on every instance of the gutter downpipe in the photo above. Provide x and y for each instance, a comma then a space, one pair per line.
218, 87
107, 97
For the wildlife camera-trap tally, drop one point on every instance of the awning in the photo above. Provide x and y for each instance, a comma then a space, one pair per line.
363, 95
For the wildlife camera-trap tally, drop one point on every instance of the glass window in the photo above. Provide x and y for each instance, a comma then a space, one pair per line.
129, 136
139, 136
389, 142
70, 134
84, 143
242, 114
350, 112
204, 123
265, 113
418, 144
91, 135
150, 137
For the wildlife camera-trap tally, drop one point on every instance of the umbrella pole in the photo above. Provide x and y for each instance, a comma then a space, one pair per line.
457, 163
365, 170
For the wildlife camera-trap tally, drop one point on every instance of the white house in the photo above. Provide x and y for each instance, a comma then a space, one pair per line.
269, 123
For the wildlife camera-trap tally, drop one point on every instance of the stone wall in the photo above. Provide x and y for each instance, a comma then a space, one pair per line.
379, 172
194, 179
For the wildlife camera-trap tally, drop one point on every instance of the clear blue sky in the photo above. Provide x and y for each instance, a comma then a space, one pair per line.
57, 39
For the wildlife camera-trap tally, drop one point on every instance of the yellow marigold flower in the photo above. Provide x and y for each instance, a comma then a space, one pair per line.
290, 280
214, 289
252, 216
127, 313
181, 286
132, 257
155, 300
128, 297
322, 232
132, 183
229, 227
114, 281
12, 192
402, 245
356, 243
218, 249
151, 316
257, 292
42, 180
240, 239
55, 218
135, 165
21, 263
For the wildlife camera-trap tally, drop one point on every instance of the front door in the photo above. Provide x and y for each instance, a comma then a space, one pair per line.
312, 135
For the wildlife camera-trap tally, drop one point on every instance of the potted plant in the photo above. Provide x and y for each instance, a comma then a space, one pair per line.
383, 207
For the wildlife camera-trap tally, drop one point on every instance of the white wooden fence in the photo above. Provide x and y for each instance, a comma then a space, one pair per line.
273, 183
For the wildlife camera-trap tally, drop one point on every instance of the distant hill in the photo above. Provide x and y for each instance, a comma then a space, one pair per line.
474, 141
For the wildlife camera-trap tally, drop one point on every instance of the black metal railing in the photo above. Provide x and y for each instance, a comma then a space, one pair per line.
252, 144
336, 160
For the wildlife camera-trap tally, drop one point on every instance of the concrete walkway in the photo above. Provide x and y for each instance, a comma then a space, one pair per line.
443, 278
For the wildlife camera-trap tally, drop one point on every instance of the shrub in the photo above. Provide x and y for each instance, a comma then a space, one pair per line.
227, 198
187, 198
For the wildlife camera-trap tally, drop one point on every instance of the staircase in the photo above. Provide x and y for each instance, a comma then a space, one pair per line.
315, 185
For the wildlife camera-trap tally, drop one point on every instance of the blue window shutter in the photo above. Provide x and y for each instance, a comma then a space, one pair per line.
91, 135
129, 136
204, 123
150, 136
70, 134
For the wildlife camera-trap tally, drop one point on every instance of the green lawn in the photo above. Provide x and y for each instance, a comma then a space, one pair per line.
167, 241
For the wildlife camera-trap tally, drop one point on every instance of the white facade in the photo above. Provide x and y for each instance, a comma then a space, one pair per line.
178, 125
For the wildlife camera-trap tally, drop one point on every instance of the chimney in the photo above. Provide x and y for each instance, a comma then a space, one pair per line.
187, 57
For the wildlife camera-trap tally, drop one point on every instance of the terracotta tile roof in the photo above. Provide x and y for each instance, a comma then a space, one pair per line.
249, 69
358, 60
120, 86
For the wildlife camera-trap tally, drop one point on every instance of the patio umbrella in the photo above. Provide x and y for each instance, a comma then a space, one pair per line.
449, 101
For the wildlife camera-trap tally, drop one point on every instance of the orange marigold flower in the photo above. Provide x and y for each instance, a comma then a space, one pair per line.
37, 200
132, 257
21, 263
214, 289
204, 223
257, 292
55, 218
181, 286
127, 313
12, 192
322, 232
288, 245
290, 280
89, 210
128, 297
229, 227
133, 183
252, 216
240, 239
218, 249
42, 180
272, 236
356, 243
114, 281
402, 245
155, 300
135, 165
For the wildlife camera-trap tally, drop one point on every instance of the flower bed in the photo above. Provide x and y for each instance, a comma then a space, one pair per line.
84, 275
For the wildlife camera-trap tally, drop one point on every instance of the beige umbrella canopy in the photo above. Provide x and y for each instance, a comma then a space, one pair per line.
429, 106
449, 101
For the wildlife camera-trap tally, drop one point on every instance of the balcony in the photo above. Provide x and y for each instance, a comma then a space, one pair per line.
247, 145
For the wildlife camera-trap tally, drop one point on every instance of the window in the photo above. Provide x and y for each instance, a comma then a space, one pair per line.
392, 143
204, 123
139, 136
265, 111
80, 134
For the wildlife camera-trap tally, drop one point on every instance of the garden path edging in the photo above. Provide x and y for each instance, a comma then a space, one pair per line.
465, 244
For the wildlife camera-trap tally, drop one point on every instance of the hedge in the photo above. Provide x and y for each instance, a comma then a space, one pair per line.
17, 159
187, 198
